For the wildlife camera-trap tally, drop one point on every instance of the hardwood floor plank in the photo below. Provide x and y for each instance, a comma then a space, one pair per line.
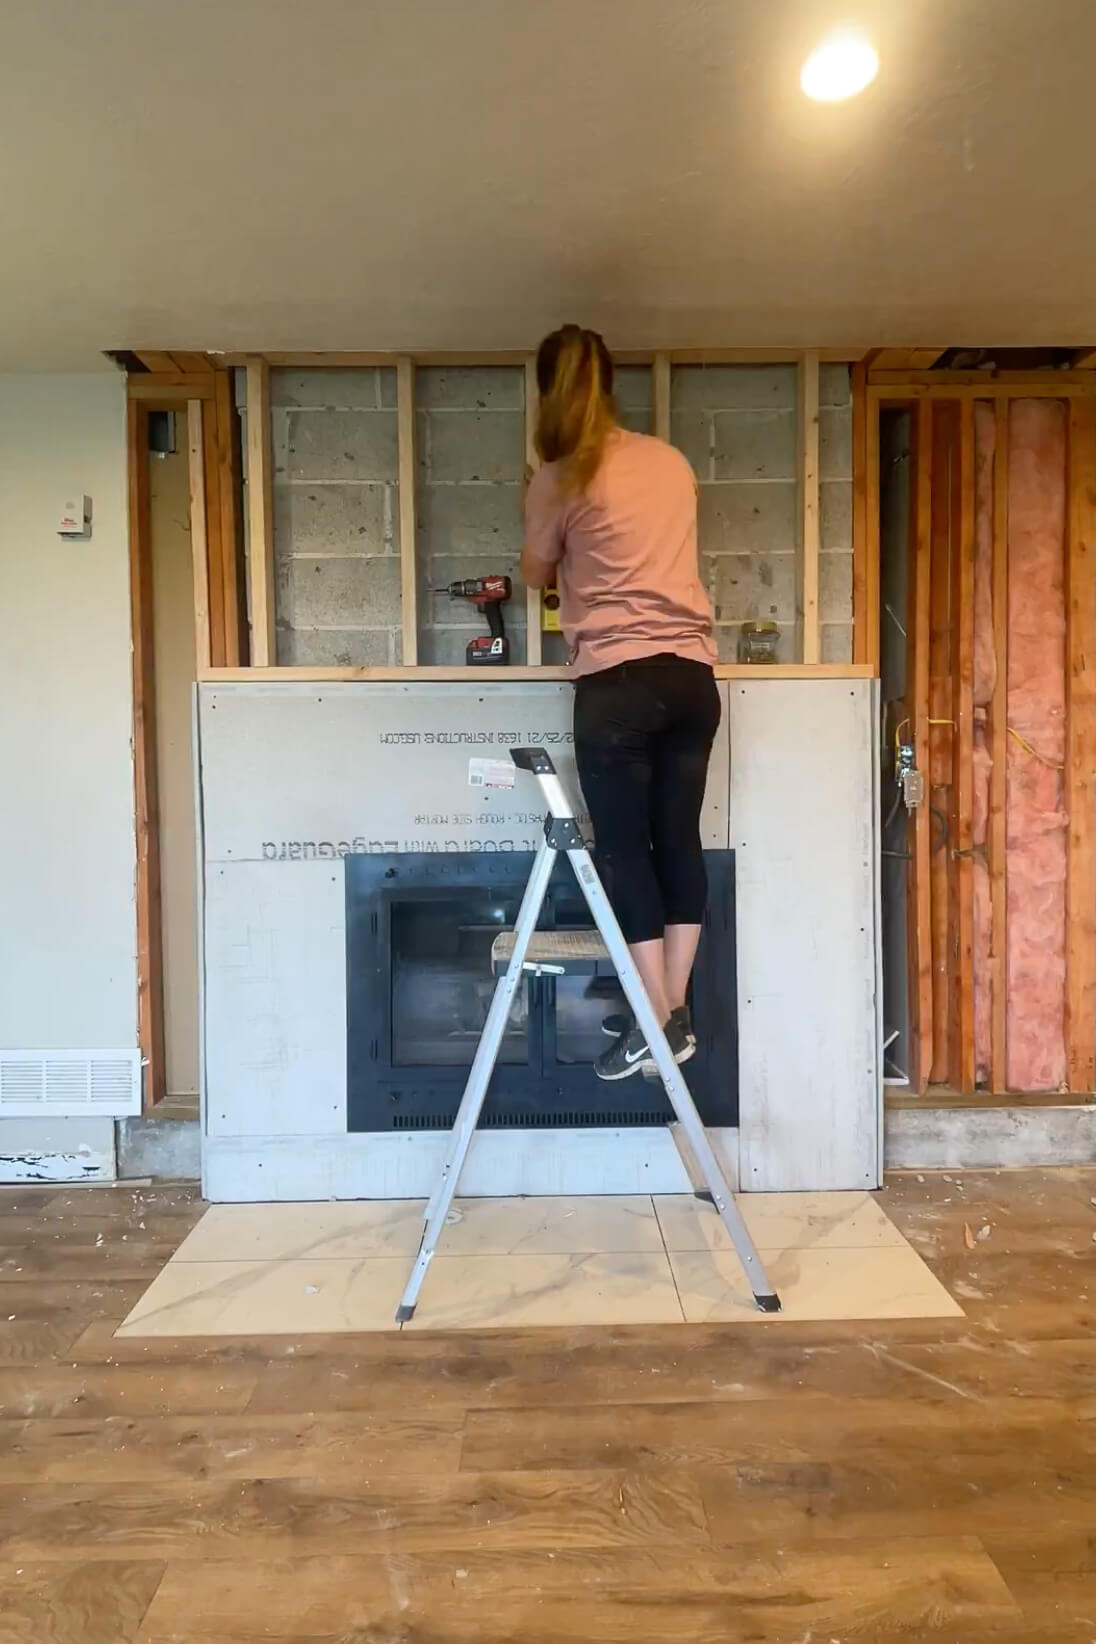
257, 1518
1050, 1575
135, 1257
983, 1486
100, 1603
682, 1366
340, 1449
1027, 1296
1053, 1215
53, 1390
657, 1595
792, 1429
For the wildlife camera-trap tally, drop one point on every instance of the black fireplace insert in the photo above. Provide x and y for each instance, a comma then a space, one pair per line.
419, 929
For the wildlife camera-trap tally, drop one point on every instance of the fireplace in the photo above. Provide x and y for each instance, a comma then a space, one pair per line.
419, 929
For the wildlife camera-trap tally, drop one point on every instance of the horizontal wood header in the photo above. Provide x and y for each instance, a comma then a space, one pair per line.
507, 676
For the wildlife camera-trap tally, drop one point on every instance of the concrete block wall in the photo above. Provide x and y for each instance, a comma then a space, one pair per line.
336, 517
737, 425
336, 502
470, 459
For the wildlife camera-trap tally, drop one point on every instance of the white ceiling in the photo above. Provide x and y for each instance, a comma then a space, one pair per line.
227, 174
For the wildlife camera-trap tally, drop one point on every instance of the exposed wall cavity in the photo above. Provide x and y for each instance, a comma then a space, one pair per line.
336, 502
737, 426
336, 517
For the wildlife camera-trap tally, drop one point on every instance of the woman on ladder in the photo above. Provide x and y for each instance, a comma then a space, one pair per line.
610, 518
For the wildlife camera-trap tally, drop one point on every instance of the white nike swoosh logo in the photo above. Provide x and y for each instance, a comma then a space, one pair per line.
629, 1058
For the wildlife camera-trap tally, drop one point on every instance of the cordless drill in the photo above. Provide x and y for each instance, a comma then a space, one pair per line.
488, 594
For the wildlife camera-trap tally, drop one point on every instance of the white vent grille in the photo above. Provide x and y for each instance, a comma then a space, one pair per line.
60, 1082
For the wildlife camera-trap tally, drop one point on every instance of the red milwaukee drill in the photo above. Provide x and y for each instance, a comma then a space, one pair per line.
488, 594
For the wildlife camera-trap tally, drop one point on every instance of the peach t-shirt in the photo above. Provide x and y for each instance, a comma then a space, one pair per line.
625, 556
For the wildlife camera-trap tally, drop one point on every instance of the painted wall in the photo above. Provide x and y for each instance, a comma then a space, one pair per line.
68, 970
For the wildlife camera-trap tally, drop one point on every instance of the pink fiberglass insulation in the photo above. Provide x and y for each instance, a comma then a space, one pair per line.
985, 675
1036, 819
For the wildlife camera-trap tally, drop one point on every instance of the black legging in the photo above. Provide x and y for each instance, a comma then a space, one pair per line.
643, 738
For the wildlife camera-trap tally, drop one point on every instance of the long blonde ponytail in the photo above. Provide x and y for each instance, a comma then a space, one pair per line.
577, 411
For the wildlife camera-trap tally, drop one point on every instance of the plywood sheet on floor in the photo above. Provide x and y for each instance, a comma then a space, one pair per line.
268, 1269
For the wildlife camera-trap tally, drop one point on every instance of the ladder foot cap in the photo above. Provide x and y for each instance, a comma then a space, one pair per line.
405, 1313
768, 1304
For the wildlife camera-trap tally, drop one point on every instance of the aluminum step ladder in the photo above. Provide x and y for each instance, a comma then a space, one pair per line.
525, 950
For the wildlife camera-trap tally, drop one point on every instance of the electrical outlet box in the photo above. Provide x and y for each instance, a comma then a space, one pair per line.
75, 518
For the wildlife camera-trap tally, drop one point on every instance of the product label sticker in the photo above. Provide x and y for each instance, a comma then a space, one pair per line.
491, 773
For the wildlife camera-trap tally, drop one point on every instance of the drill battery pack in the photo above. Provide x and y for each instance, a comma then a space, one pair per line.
489, 650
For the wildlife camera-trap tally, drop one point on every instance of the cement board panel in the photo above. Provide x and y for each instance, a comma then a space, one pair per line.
802, 798
296, 772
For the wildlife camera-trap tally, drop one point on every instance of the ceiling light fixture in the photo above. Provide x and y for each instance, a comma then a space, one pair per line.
840, 67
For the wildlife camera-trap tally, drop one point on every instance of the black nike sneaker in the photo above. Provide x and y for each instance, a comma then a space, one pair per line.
614, 1026
630, 1053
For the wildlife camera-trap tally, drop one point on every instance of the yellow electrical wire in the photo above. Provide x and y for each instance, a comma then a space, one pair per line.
1034, 752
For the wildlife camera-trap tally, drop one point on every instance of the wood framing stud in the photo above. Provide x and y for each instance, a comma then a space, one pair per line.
963, 569
199, 555
228, 480
1081, 759
534, 644
260, 515
859, 514
871, 554
998, 730
405, 402
660, 389
918, 663
215, 548
811, 644
150, 948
